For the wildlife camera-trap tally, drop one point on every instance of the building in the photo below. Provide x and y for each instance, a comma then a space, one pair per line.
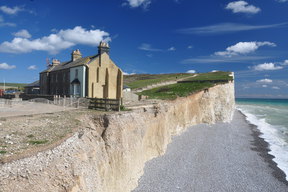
33, 88
94, 76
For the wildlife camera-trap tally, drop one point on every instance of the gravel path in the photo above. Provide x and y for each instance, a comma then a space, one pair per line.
222, 157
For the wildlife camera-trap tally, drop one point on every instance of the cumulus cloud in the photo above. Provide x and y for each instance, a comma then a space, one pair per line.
172, 49
6, 66
267, 66
11, 10
148, 47
56, 42
137, 3
244, 48
191, 71
242, 7
32, 67
264, 86
22, 33
264, 81
285, 62
275, 87
125, 73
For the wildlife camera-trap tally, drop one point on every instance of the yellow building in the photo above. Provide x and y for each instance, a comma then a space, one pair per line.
94, 76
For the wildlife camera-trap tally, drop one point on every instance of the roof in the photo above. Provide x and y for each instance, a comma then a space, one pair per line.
34, 84
70, 64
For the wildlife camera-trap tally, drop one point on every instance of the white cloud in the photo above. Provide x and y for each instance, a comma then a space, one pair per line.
191, 71
22, 33
125, 73
6, 66
242, 7
56, 42
32, 67
148, 47
3, 23
213, 71
264, 86
138, 3
275, 87
221, 59
10, 11
190, 47
226, 28
267, 66
243, 48
282, 1
172, 49
285, 62
264, 81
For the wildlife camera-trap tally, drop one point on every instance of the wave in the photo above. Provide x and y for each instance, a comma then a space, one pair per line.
271, 134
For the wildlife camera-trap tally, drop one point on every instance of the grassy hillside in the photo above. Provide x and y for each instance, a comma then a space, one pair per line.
19, 86
143, 80
184, 89
212, 76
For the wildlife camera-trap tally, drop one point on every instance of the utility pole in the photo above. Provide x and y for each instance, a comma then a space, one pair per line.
4, 85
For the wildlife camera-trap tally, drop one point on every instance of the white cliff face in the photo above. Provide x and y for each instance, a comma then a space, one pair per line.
109, 153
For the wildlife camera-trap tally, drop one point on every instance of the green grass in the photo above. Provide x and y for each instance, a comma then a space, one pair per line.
3, 152
18, 85
37, 142
184, 89
143, 80
212, 76
176, 90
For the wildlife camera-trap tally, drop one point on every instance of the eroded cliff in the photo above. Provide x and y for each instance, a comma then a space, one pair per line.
109, 152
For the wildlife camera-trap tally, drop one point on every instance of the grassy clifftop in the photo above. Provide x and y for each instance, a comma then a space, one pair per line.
180, 89
143, 80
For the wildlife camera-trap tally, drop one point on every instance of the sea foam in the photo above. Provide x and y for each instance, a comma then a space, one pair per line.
271, 134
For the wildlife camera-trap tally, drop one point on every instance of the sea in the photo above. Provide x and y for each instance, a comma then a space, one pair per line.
271, 118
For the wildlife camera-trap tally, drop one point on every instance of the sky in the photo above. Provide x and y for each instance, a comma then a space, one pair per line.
152, 36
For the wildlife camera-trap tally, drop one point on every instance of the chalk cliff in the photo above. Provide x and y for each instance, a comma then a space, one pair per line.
108, 154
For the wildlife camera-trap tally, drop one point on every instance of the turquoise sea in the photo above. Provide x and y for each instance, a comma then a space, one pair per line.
271, 118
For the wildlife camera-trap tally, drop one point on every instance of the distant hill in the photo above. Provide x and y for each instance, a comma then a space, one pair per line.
13, 85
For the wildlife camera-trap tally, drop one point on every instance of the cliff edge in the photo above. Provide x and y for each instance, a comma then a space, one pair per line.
109, 152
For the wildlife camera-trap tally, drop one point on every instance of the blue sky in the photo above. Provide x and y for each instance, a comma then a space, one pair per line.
152, 36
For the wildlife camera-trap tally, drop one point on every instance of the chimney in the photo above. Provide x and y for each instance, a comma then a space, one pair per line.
103, 48
76, 54
55, 62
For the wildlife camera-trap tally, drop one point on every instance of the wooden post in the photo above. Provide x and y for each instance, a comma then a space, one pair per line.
119, 102
64, 100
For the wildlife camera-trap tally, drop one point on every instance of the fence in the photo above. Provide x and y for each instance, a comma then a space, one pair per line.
105, 104
73, 102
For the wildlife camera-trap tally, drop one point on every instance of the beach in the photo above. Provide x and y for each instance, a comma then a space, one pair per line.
219, 157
